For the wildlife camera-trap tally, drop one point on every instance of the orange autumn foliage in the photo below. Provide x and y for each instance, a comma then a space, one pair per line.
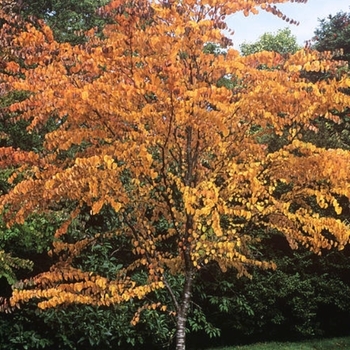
145, 101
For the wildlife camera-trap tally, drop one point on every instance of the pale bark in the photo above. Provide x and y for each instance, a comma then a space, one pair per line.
182, 312
184, 305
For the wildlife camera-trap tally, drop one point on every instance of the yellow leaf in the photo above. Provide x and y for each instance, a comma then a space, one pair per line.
225, 132
85, 95
338, 209
96, 207
78, 287
260, 207
116, 206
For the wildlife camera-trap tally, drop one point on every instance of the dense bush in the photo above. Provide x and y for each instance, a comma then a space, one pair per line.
308, 296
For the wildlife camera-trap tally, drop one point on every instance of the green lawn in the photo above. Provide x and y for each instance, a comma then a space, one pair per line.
319, 344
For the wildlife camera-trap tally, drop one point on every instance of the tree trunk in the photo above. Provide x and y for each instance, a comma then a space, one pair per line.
183, 311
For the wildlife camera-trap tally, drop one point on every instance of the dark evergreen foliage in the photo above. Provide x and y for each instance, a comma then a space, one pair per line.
333, 34
68, 19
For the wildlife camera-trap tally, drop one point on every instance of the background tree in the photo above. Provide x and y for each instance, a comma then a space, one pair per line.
68, 19
333, 34
144, 130
282, 42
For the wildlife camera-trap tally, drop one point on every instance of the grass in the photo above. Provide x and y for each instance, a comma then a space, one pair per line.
318, 344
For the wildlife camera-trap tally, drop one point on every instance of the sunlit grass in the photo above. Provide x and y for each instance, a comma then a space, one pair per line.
318, 344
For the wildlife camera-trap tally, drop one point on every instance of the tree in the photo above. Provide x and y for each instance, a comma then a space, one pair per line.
333, 34
68, 19
145, 130
282, 42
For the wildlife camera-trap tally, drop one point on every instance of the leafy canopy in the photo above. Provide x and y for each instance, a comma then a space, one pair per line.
68, 19
282, 42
